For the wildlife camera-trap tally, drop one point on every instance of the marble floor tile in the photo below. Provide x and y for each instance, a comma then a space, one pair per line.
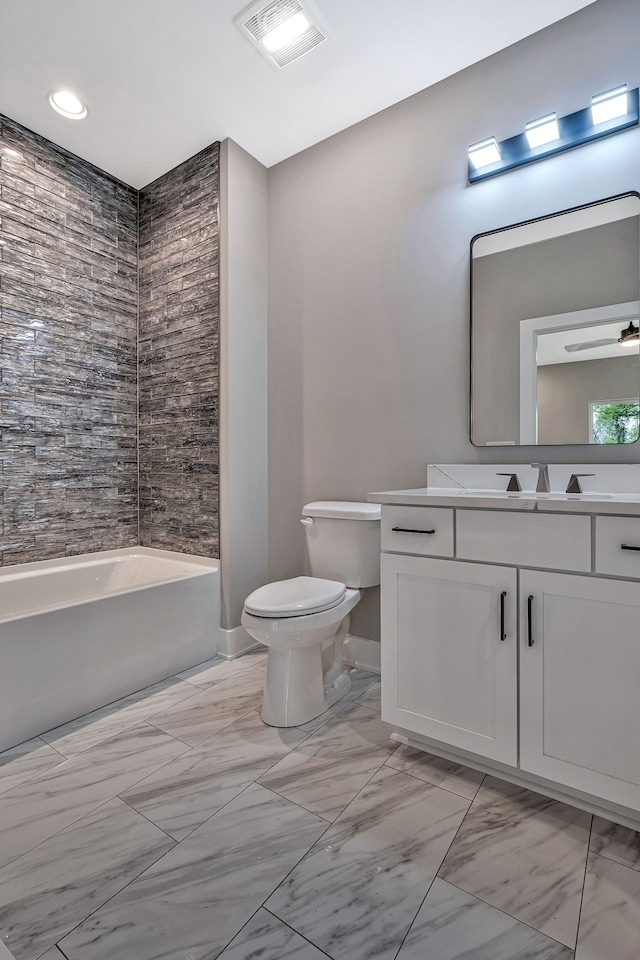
193, 901
524, 854
215, 707
25, 761
267, 938
615, 842
255, 658
357, 892
610, 918
100, 725
452, 925
371, 698
180, 796
37, 809
442, 773
361, 681
53, 954
210, 672
5, 954
326, 772
48, 891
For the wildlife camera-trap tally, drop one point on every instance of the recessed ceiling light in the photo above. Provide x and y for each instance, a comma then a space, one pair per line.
67, 105
542, 131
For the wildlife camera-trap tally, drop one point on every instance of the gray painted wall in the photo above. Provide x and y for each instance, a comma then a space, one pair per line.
369, 237
243, 379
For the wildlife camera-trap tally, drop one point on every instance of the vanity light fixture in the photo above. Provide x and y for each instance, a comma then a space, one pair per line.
609, 105
609, 112
484, 153
67, 105
630, 336
542, 131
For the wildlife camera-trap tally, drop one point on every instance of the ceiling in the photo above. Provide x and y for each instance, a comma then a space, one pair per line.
165, 78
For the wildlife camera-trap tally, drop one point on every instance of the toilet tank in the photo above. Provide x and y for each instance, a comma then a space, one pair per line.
343, 540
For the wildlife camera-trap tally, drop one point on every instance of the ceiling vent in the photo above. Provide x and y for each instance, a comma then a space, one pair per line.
283, 30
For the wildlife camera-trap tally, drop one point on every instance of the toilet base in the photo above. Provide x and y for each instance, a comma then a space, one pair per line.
295, 690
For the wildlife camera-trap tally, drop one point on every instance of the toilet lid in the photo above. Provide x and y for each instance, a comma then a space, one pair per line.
294, 598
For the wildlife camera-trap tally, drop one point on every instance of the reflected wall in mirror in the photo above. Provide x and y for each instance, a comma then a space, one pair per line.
550, 301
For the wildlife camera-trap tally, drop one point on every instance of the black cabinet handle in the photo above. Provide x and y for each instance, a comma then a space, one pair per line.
503, 596
407, 530
530, 621
628, 546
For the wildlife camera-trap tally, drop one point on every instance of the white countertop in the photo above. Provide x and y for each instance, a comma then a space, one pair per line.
618, 503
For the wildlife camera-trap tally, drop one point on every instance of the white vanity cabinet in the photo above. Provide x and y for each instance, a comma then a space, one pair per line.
580, 683
512, 648
449, 656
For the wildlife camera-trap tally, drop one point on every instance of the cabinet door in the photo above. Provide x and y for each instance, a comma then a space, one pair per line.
580, 684
449, 653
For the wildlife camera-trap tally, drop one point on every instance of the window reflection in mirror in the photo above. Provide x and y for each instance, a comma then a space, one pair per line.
551, 299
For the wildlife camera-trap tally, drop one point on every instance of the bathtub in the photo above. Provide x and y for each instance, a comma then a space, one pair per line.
78, 633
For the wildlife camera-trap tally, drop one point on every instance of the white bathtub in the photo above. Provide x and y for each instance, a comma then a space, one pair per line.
78, 633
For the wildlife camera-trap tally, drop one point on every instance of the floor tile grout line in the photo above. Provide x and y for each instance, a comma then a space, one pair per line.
297, 932
41, 736
430, 783
252, 782
620, 863
329, 823
191, 746
584, 881
505, 914
149, 821
56, 834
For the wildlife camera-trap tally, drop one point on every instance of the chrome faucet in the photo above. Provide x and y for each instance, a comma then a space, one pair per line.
542, 486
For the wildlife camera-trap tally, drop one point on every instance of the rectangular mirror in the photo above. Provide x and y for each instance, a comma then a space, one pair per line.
555, 306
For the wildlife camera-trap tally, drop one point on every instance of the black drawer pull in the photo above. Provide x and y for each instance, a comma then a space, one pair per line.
503, 597
407, 530
628, 546
530, 621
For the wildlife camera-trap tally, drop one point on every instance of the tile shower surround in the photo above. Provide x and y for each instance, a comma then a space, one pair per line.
70, 480
178, 357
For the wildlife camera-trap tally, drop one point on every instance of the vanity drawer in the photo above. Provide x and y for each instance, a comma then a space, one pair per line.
613, 535
525, 539
425, 531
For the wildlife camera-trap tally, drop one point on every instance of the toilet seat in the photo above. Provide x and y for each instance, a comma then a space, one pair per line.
298, 597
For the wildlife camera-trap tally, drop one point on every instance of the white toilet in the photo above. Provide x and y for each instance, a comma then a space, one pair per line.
304, 621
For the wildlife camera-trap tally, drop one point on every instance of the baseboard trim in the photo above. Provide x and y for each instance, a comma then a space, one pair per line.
234, 643
362, 653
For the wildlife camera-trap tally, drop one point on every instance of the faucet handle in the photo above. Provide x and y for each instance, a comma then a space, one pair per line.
574, 483
514, 483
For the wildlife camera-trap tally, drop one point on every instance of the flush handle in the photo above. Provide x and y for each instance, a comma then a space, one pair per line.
307, 521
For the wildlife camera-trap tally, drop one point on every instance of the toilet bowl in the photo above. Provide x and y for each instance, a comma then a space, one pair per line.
304, 621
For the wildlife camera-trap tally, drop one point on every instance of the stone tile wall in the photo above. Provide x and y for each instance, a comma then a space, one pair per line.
178, 358
68, 325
